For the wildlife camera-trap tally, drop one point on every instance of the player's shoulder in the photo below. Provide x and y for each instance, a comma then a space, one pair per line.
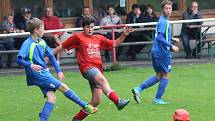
99, 36
27, 42
162, 20
78, 34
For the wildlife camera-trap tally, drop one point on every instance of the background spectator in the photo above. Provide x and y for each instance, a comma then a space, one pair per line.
187, 33
37, 11
52, 22
62, 10
85, 12
7, 26
135, 16
110, 19
21, 19
149, 16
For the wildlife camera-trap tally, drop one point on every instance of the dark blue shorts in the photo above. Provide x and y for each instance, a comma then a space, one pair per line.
161, 65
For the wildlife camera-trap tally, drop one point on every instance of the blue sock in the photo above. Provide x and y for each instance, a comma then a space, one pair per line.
47, 109
162, 87
72, 96
148, 83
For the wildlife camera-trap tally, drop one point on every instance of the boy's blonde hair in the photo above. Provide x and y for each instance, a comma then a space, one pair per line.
33, 24
164, 2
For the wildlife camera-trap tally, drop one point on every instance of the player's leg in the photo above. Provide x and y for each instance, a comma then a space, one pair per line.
95, 100
147, 83
70, 94
49, 104
161, 89
111, 94
165, 66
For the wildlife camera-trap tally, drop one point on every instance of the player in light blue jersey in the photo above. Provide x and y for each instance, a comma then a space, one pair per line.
31, 56
161, 56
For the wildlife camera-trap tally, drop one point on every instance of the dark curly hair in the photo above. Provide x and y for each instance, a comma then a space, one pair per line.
88, 20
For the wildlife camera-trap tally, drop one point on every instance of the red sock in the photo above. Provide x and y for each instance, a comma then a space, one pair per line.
114, 97
81, 115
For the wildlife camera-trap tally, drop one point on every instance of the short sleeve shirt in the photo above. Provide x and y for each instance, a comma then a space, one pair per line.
88, 49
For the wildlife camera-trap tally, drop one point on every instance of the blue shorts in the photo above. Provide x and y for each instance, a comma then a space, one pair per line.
46, 81
161, 65
90, 76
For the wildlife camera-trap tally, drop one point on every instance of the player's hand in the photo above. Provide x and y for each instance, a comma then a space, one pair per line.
60, 76
127, 30
36, 67
175, 48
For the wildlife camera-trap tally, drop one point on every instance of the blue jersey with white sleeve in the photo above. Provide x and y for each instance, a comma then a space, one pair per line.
159, 49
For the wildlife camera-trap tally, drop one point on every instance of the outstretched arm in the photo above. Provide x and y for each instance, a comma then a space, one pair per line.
126, 32
58, 49
57, 67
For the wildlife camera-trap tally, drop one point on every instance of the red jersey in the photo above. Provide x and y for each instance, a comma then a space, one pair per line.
51, 23
87, 49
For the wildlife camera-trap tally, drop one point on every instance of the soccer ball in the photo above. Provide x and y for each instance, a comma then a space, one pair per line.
181, 115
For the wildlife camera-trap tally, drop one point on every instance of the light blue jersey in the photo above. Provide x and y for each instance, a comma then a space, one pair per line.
160, 50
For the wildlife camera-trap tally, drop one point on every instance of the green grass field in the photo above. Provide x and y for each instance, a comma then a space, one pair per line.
191, 87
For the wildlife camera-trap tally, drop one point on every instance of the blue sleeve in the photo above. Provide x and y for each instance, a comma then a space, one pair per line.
24, 54
50, 54
161, 39
22, 61
55, 64
24, 50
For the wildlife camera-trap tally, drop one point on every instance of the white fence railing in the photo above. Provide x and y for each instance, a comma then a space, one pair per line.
24, 34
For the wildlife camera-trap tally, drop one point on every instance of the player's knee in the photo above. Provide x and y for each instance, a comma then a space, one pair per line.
158, 77
63, 88
165, 75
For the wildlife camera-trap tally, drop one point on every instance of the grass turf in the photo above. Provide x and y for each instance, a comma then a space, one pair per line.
191, 87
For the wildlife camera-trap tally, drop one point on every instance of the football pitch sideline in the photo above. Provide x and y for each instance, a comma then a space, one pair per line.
191, 87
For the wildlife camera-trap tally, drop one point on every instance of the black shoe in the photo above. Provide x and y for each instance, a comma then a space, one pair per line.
122, 103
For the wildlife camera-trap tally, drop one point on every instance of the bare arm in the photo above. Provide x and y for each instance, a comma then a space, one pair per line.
126, 32
58, 49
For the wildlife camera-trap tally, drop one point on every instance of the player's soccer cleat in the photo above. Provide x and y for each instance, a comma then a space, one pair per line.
160, 102
136, 94
122, 103
90, 109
